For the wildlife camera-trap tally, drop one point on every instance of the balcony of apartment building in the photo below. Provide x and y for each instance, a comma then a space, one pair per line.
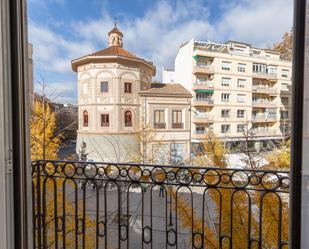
265, 72
264, 118
202, 131
203, 102
263, 103
203, 69
265, 89
265, 75
203, 118
285, 90
266, 132
203, 85
203, 65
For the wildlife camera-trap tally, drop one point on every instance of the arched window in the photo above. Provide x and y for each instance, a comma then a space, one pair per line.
128, 119
85, 118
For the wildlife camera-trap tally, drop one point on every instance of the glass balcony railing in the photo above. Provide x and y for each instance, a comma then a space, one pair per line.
203, 117
264, 118
203, 102
266, 132
107, 205
203, 85
203, 69
263, 103
264, 75
264, 89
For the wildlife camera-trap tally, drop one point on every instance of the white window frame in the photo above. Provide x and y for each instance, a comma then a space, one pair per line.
241, 67
241, 83
225, 128
226, 65
242, 99
240, 114
225, 113
241, 130
225, 97
225, 81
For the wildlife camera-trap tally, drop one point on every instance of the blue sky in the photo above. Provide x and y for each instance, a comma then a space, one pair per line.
61, 30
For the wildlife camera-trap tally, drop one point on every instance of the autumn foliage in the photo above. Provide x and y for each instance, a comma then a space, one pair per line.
244, 218
285, 46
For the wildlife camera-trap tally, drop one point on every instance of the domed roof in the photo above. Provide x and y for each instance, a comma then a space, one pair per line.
113, 50
115, 30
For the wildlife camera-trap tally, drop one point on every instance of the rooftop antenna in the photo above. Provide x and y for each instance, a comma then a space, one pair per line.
115, 21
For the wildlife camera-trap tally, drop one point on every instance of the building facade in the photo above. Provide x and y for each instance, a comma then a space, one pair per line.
111, 111
168, 75
235, 87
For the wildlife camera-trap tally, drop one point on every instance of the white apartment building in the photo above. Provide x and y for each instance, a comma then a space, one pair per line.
168, 75
118, 104
235, 87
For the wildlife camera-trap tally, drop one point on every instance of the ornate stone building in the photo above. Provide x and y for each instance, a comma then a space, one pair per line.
117, 103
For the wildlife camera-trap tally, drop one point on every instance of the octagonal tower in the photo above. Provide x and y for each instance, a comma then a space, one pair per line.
109, 81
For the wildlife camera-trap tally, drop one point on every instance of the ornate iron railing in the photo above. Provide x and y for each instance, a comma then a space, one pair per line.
107, 205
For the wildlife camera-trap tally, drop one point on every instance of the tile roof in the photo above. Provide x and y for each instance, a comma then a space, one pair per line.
114, 50
167, 89
118, 51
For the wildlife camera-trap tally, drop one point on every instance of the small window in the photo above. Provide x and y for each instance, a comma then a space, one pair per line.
128, 119
225, 113
240, 127
284, 114
284, 86
225, 128
241, 83
225, 81
104, 120
240, 113
284, 73
241, 98
85, 118
226, 65
241, 67
285, 100
259, 68
128, 87
200, 129
225, 97
177, 119
159, 119
104, 87
203, 96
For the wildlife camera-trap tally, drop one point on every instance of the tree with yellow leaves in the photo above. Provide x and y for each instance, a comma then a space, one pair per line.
285, 46
44, 142
240, 210
280, 158
44, 146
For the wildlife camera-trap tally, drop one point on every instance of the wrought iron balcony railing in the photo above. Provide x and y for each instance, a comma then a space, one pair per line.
107, 205
177, 125
159, 125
